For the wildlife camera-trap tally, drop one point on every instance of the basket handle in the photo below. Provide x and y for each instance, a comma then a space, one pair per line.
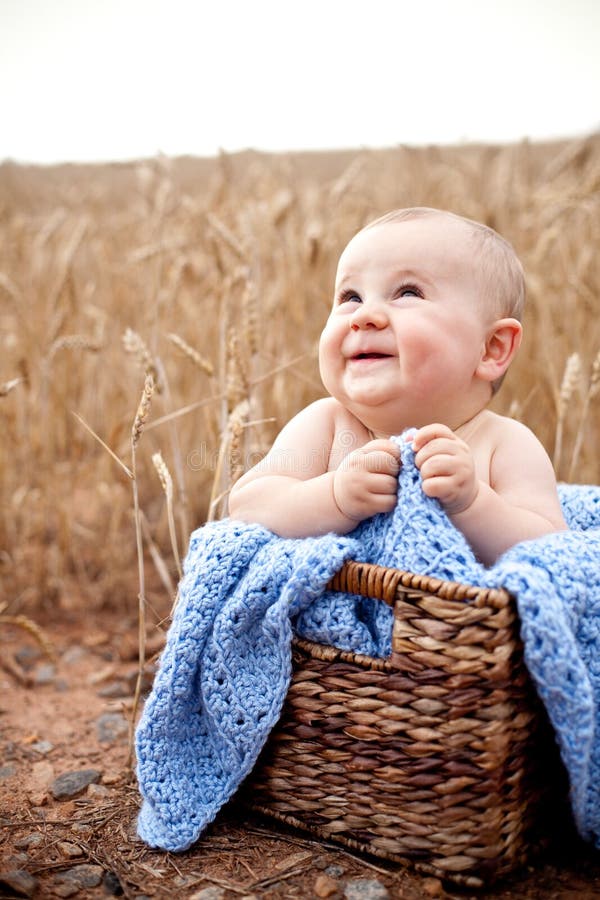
382, 583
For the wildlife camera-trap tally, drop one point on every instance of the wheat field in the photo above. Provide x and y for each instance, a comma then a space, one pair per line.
159, 324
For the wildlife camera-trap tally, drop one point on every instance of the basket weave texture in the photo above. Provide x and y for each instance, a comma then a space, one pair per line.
429, 757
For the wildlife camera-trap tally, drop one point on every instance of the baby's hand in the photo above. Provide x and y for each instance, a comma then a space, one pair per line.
447, 467
366, 482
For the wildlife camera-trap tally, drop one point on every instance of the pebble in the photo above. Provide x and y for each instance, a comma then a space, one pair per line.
325, 886
73, 655
65, 889
69, 784
28, 656
365, 889
19, 860
209, 893
335, 871
111, 727
41, 775
42, 747
7, 771
114, 690
45, 674
114, 776
29, 841
98, 792
69, 850
85, 875
20, 882
111, 884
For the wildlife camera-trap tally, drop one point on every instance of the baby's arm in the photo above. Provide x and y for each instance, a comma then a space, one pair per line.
518, 504
293, 493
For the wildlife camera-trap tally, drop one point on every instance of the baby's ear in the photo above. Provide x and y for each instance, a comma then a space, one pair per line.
502, 342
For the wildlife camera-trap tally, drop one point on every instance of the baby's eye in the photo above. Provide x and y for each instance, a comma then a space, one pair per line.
409, 290
349, 297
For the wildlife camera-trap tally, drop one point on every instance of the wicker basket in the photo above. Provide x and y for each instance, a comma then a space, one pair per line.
434, 757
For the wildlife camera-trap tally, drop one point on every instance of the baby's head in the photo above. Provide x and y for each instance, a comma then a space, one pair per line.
496, 266
424, 321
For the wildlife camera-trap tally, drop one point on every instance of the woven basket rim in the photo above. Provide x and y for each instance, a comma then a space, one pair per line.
387, 584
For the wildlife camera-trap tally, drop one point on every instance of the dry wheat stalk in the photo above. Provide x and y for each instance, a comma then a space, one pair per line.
236, 386
142, 411
250, 317
570, 383
156, 557
33, 629
9, 386
136, 432
199, 361
235, 426
592, 391
136, 347
227, 236
73, 342
66, 260
167, 486
127, 471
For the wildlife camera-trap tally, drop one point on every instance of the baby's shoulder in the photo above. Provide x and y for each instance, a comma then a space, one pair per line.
502, 429
347, 432
493, 436
509, 445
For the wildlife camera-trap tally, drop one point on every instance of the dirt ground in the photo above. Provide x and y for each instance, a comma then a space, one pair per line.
70, 713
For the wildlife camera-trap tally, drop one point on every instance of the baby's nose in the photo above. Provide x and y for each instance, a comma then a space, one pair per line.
369, 316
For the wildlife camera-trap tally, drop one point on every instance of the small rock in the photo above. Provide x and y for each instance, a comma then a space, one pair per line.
111, 884
365, 889
73, 655
29, 841
335, 871
65, 889
37, 798
42, 747
69, 784
208, 893
85, 875
325, 886
20, 882
114, 776
433, 887
41, 775
45, 674
19, 860
6, 772
69, 850
98, 792
28, 656
111, 727
114, 690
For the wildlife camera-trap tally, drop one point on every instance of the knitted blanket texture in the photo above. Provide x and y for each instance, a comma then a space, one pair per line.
226, 666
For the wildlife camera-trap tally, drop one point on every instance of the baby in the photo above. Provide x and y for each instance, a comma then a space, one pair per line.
424, 324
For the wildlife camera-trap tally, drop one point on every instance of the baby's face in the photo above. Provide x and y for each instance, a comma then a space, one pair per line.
407, 328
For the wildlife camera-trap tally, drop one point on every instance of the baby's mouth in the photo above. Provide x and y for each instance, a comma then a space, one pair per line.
372, 356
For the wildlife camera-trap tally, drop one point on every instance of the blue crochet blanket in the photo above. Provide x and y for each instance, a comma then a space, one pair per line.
226, 667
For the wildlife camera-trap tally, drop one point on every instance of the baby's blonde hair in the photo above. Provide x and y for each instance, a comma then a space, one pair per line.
498, 265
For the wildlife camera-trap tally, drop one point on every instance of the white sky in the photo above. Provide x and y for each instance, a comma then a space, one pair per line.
85, 80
